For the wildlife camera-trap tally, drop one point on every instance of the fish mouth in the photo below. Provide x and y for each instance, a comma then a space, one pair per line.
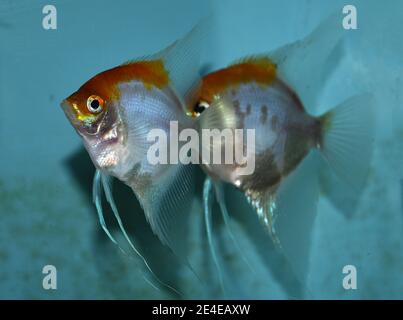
70, 113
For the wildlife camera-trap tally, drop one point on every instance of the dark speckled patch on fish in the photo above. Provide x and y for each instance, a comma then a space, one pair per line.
292, 157
295, 150
248, 109
241, 115
263, 114
266, 175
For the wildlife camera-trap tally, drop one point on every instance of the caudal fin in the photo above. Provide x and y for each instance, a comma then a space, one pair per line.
347, 143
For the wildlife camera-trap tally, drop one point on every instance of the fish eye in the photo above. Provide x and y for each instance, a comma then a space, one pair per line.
200, 107
95, 104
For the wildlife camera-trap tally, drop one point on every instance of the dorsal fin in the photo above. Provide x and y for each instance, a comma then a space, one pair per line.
181, 60
306, 64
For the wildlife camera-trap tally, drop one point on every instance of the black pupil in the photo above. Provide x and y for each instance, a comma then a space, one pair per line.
94, 104
198, 108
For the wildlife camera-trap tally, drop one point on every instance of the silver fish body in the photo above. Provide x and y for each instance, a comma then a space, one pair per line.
284, 133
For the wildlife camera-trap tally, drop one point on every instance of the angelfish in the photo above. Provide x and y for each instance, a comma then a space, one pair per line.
114, 112
269, 93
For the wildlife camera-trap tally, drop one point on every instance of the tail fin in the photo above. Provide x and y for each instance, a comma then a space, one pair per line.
347, 138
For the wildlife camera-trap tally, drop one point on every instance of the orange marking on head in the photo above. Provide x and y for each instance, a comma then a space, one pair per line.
105, 84
258, 70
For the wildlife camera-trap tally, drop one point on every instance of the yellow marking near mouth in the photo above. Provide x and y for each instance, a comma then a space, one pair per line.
82, 117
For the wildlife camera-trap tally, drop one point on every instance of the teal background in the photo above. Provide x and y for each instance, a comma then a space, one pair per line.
46, 213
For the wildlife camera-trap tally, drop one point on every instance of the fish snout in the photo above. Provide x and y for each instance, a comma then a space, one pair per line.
68, 109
